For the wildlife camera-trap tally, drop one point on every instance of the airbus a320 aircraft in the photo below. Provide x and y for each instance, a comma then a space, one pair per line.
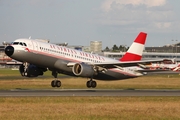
38, 56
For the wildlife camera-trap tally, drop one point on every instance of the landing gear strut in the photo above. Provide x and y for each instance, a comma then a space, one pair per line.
55, 83
91, 83
24, 69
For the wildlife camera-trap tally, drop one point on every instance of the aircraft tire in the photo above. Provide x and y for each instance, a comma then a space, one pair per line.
93, 84
53, 83
58, 83
22, 74
88, 84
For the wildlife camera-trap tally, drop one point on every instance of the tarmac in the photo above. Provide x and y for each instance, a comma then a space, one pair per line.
87, 92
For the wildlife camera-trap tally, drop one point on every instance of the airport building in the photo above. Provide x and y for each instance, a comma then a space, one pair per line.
173, 48
96, 46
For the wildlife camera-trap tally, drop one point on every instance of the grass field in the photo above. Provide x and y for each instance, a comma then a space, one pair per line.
90, 108
85, 108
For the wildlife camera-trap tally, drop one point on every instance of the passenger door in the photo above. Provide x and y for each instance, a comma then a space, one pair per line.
35, 46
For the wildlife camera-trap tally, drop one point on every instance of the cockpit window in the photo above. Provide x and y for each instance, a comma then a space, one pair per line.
19, 43
24, 44
15, 43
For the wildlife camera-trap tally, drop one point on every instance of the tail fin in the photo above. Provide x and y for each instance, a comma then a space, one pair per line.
135, 51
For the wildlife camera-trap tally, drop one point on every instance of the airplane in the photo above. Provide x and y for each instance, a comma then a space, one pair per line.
176, 68
166, 64
39, 56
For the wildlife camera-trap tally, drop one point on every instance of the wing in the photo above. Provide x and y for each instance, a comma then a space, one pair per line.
126, 64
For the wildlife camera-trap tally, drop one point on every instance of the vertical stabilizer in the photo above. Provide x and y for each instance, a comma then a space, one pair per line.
135, 51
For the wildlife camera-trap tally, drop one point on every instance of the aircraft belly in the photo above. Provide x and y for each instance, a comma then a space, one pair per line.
62, 66
111, 75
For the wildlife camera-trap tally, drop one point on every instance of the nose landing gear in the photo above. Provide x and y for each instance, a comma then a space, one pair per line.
57, 83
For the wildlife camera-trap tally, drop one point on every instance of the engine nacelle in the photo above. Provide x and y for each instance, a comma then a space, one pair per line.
31, 71
83, 70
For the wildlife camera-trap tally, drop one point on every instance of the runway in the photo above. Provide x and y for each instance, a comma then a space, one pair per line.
86, 92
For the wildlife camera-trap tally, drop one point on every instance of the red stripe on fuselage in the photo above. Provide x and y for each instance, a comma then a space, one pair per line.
27, 49
55, 56
74, 60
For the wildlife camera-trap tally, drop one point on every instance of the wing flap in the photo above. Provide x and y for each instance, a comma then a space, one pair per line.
127, 64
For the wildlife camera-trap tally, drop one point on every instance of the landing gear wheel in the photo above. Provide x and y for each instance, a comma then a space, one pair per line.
58, 83
88, 84
93, 84
23, 74
53, 83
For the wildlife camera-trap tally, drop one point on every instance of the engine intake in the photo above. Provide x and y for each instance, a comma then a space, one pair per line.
83, 70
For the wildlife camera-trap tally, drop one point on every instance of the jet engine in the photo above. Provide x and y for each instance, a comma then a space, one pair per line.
83, 70
31, 70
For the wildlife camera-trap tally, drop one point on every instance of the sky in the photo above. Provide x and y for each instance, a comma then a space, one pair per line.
78, 22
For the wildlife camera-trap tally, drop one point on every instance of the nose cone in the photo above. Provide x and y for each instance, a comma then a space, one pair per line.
9, 50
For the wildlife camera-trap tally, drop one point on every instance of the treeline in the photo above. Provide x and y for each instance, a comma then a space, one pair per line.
115, 48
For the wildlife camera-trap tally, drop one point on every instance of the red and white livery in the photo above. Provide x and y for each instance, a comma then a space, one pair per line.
38, 56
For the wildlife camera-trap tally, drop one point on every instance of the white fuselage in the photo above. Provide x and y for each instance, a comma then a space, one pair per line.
61, 59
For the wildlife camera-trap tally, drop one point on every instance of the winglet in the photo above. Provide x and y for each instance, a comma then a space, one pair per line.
135, 51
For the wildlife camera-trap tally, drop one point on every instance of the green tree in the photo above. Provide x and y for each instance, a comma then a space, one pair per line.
107, 49
121, 48
115, 48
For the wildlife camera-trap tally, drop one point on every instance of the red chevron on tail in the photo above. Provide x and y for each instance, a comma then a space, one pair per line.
135, 51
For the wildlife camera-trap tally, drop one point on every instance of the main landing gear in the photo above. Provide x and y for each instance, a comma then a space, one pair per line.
55, 83
91, 83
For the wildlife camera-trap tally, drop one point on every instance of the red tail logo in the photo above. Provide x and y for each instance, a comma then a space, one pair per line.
136, 49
